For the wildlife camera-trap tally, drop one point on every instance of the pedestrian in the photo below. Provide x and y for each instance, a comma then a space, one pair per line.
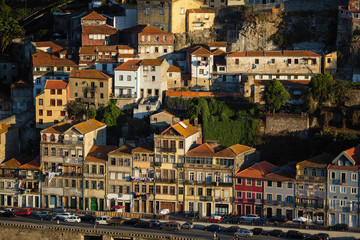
95, 225
215, 236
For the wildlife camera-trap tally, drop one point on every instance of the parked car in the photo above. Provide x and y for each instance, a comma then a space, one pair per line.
214, 219
115, 221
187, 225
143, 224
62, 216
233, 229
23, 212
7, 214
295, 234
59, 209
276, 233
243, 233
199, 226
72, 219
213, 228
8, 209
339, 227
260, 222
42, 214
319, 236
155, 223
231, 219
278, 219
102, 220
257, 231
194, 215
132, 221
170, 226
249, 217
88, 218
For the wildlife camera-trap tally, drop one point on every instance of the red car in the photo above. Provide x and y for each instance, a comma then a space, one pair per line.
23, 212
214, 219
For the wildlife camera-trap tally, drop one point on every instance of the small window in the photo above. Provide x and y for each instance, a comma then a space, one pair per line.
237, 61
59, 102
256, 61
59, 91
40, 112
296, 61
49, 113
52, 91
101, 84
40, 102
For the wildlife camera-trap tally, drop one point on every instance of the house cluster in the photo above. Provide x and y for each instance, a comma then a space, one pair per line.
177, 171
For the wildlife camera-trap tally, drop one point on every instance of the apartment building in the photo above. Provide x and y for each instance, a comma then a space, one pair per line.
310, 190
200, 61
343, 188
63, 149
21, 96
90, 86
9, 142
174, 80
50, 106
199, 19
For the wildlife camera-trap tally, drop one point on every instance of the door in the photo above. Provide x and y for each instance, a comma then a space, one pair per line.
93, 204
278, 212
9, 200
73, 202
151, 206
239, 212
289, 214
143, 206
258, 210
269, 212
180, 207
200, 208
136, 206
248, 210
208, 209
342, 218
52, 202
101, 204
353, 222
127, 207
332, 219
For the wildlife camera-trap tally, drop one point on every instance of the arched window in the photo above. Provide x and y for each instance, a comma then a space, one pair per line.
313, 172
52, 138
44, 137
305, 171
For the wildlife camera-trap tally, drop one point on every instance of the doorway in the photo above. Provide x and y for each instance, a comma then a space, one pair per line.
208, 209
269, 212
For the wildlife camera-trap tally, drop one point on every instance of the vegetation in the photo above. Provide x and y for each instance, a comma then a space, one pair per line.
76, 110
340, 92
275, 95
9, 30
320, 88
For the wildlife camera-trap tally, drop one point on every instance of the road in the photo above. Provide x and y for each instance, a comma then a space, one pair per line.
193, 233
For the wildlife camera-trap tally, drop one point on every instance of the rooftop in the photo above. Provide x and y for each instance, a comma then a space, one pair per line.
146, 29
55, 84
184, 128
89, 73
280, 175
200, 10
152, 62
4, 128
173, 68
285, 53
99, 29
129, 65
320, 161
94, 16
258, 170
99, 153
88, 126
123, 150
43, 59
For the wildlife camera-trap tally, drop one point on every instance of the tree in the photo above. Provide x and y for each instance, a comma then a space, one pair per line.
76, 110
111, 115
320, 88
9, 30
275, 95
340, 92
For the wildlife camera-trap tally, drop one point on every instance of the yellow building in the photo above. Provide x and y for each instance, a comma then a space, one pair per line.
51, 104
330, 63
199, 19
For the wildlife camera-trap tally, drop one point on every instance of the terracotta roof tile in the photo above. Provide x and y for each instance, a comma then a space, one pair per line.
255, 53
42, 59
94, 16
99, 29
4, 128
273, 53
258, 170
349, 168
201, 52
125, 55
123, 150
147, 29
99, 153
21, 84
54, 45
129, 65
143, 149
284, 82
200, 10
16, 162
280, 175
218, 52
321, 160
173, 68
184, 128
203, 150
32, 165
294, 53
151, 62
237, 54
55, 84
88, 126
89, 73
88, 50
233, 151
218, 44
58, 128
354, 154
285, 53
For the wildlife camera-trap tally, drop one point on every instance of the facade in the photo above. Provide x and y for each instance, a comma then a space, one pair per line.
208, 177
127, 80
95, 31
149, 41
5, 104
249, 188
90, 86
63, 148
199, 19
201, 63
9, 142
21, 96
310, 188
9, 69
163, 120
19, 182
51, 104
279, 192
343, 188
169, 16
174, 80
330, 63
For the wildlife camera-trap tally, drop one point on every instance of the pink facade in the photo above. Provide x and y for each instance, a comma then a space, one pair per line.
248, 196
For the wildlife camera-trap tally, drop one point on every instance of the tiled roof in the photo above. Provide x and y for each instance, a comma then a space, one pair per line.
186, 131
123, 150
284, 82
147, 29
203, 150
349, 168
55, 84
94, 16
218, 52
321, 160
294, 53
21, 84
99, 153
124, 47
167, 112
42, 59
143, 149
99, 29
354, 154
16, 162
89, 73
237, 54
129, 65
58, 128
273, 53
233, 151
285, 53
88, 50
218, 44
258, 170
173, 68
255, 53
32, 165
127, 55
4, 128
151, 62
88, 126
54, 45
201, 52
200, 10
280, 175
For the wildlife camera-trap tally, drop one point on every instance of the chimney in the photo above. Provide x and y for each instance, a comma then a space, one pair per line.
199, 141
121, 141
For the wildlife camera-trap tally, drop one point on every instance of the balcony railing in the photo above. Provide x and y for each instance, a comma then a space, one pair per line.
72, 142
191, 182
68, 160
310, 205
94, 175
179, 165
278, 203
71, 174
205, 198
162, 149
311, 178
166, 180
155, 164
223, 184
72, 192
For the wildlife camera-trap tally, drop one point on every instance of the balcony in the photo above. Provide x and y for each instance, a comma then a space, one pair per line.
155, 164
166, 180
68, 160
71, 174
205, 198
72, 142
223, 184
162, 149
310, 206
126, 96
88, 100
191, 182
225, 199
73, 192
179, 165
311, 178
94, 175
278, 203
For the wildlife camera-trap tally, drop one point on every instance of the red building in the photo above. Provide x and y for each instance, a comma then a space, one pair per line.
249, 188
95, 31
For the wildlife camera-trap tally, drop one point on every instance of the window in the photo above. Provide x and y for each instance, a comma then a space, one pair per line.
86, 184
101, 169
191, 191
273, 61
353, 177
353, 190
332, 175
269, 197
201, 71
289, 61
52, 91
296, 61
165, 189
143, 188
208, 192
290, 185
161, 11
279, 184
73, 183
172, 190
66, 182
101, 84
62, 113
40, 112
258, 196
305, 171
248, 195
156, 49
191, 176
200, 191
52, 102
256, 61
59, 102
40, 102
269, 183
248, 182
313, 172
238, 181
153, 78
93, 184
49, 113
181, 144
113, 161
93, 169
181, 190
101, 95
258, 182
332, 188
182, 11
342, 203
147, 11
237, 61
121, 77
342, 189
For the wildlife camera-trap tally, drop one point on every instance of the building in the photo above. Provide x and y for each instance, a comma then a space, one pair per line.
19, 182
21, 96
249, 188
94, 178
218, 45
49, 66
96, 32
208, 174
199, 19
9, 69
63, 148
127, 80
174, 80
149, 41
51, 104
217, 3
310, 190
168, 16
279, 194
9, 142
343, 188
330, 63
200, 63
163, 120
170, 148
90, 86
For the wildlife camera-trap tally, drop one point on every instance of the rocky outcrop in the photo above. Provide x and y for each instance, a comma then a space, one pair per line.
184, 40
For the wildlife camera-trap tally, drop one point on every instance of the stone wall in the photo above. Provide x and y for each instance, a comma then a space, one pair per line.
283, 123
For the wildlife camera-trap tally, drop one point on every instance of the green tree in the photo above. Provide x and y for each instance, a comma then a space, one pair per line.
111, 115
91, 113
320, 88
76, 110
275, 95
340, 92
9, 30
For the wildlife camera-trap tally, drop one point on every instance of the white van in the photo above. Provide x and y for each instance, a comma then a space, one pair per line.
102, 220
